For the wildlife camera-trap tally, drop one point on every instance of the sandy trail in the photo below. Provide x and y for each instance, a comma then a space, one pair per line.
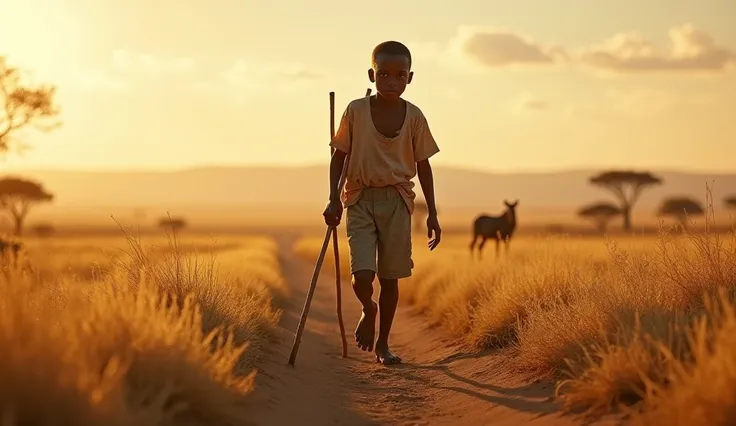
436, 385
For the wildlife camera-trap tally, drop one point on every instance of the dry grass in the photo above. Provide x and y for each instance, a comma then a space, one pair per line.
308, 248
618, 323
154, 336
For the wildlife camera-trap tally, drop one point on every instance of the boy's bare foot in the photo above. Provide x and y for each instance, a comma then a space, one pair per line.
385, 356
365, 332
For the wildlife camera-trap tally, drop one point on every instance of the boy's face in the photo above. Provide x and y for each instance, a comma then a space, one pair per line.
391, 74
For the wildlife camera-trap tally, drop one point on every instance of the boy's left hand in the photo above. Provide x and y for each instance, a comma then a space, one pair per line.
433, 225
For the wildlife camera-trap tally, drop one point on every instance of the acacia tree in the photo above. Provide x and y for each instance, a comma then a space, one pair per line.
626, 186
43, 230
18, 196
172, 223
730, 202
681, 208
23, 105
601, 213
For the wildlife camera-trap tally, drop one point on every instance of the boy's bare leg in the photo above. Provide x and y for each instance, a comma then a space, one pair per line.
387, 302
365, 332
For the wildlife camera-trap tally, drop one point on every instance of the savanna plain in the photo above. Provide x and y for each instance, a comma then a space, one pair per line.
194, 329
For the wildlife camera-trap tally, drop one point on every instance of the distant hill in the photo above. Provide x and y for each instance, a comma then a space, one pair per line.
307, 186
292, 189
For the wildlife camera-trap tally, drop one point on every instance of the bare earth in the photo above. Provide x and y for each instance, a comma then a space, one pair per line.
436, 385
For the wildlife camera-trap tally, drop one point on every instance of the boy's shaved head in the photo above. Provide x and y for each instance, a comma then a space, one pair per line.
390, 70
391, 48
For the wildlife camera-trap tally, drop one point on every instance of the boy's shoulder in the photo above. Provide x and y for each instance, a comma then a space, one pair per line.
413, 109
416, 115
358, 103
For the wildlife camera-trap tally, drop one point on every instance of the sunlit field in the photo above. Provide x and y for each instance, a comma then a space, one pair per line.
639, 324
129, 331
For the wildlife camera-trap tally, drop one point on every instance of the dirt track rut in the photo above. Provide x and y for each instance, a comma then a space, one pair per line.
437, 385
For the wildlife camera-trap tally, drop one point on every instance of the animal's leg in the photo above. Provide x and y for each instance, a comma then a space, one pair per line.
480, 248
506, 245
472, 245
498, 247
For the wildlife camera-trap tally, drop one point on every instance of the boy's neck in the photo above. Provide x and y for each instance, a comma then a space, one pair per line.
382, 102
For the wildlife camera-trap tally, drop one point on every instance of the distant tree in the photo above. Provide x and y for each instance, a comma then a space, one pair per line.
627, 187
43, 230
555, 228
681, 208
730, 202
601, 213
23, 105
18, 196
172, 223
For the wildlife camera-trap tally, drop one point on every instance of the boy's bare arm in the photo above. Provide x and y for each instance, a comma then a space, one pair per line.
337, 161
426, 181
333, 211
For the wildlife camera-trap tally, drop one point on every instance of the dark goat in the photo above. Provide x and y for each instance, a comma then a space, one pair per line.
495, 227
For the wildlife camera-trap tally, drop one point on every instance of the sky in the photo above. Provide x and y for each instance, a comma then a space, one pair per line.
527, 85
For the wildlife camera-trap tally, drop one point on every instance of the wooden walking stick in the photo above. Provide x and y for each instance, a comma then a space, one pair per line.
318, 266
335, 245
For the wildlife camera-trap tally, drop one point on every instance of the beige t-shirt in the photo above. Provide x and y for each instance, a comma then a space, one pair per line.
378, 161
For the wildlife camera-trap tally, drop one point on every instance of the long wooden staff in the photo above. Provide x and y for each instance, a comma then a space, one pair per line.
335, 245
320, 259
338, 286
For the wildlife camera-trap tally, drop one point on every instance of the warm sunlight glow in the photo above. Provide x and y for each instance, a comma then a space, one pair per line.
531, 220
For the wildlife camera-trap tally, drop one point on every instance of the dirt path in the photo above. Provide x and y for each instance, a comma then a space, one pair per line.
436, 386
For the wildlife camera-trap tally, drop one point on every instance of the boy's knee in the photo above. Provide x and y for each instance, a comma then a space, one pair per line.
363, 277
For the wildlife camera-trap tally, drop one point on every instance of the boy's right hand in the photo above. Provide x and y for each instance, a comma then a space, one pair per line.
333, 213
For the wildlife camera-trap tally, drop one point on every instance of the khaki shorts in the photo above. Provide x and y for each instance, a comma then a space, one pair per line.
379, 233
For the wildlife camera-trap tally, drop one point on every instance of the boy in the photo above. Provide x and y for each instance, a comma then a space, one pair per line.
389, 142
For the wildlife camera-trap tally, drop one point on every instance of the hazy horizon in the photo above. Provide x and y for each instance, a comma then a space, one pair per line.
20, 169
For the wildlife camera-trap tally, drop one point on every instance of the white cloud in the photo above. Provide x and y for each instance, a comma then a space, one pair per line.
691, 50
501, 47
483, 48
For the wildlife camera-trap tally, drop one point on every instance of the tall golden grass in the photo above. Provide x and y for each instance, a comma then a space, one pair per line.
148, 334
648, 323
